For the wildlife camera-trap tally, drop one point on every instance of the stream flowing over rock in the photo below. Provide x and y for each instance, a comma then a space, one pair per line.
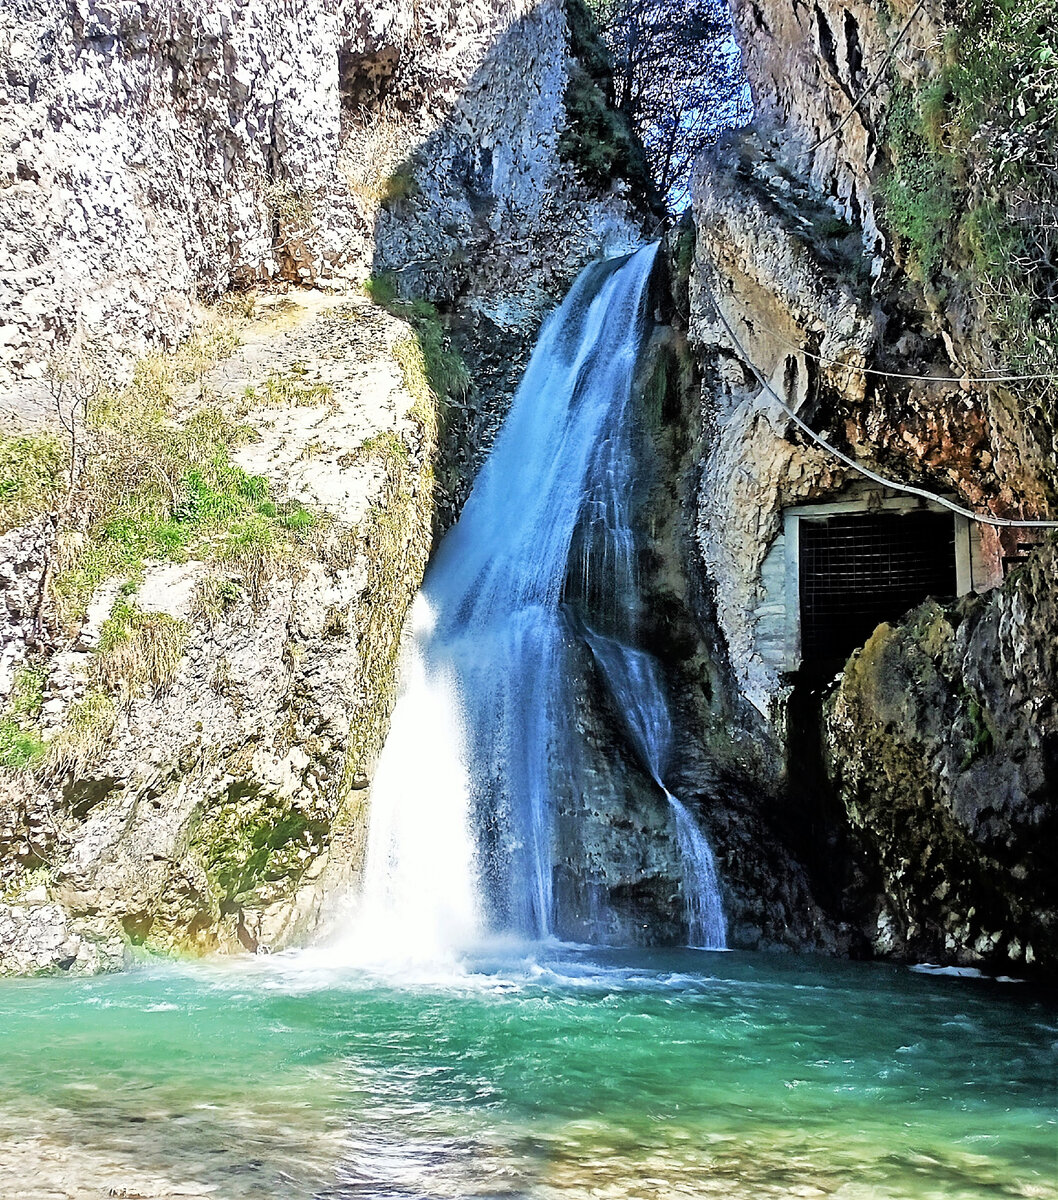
230, 182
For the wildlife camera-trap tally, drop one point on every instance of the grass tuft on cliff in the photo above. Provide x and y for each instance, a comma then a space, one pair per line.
21, 749
155, 486
969, 192
32, 477
86, 734
139, 650
287, 390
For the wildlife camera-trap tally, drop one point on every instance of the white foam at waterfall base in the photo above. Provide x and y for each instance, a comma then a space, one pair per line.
420, 899
461, 807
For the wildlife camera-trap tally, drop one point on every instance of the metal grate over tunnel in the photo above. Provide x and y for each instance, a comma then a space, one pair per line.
859, 569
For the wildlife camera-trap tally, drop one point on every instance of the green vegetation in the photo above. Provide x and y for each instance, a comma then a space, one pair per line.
970, 192
980, 740
598, 140
20, 748
27, 691
33, 477
214, 597
26, 880
385, 445
155, 488
918, 192
139, 650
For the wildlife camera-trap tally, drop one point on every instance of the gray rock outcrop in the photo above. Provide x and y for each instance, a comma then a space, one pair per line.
941, 740
153, 153
796, 276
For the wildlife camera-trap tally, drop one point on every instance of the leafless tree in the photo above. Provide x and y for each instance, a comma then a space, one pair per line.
677, 76
74, 379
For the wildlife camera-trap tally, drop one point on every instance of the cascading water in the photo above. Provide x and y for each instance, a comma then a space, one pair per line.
635, 683
461, 827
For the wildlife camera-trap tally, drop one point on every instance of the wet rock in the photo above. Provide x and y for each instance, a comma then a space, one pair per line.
941, 742
43, 939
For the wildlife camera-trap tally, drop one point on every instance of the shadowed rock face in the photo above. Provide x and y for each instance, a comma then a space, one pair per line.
937, 788
942, 742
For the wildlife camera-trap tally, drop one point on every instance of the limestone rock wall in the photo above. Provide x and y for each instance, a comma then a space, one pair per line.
789, 247
152, 152
213, 809
810, 66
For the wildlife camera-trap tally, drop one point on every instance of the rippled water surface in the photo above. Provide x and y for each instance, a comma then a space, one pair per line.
560, 1074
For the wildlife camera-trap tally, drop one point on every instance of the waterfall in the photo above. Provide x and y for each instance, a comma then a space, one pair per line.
635, 682
461, 838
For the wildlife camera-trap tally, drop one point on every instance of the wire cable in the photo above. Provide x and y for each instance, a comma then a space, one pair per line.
907, 488
964, 379
875, 80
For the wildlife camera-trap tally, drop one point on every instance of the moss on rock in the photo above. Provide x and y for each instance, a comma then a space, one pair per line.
942, 744
255, 847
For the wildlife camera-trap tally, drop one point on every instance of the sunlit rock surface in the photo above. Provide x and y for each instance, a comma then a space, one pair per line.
211, 812
151, 152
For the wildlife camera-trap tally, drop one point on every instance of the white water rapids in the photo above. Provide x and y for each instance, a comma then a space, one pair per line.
461, 835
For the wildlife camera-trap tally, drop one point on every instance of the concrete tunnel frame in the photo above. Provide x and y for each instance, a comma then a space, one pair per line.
778, 616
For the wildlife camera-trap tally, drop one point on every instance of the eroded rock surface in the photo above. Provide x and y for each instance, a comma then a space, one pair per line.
43, 939
942, 742
205, 811
151, 152
796, 279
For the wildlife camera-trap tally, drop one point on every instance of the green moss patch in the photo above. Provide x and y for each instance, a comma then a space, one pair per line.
255, 848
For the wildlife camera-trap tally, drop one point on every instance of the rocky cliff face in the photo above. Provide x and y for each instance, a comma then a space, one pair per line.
152, 153
198, 661
202, 730
809, 272
941, 743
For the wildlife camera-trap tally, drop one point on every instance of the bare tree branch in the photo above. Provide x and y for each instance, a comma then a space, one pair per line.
678, 76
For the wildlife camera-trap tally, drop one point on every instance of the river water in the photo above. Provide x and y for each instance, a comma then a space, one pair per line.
529, 1072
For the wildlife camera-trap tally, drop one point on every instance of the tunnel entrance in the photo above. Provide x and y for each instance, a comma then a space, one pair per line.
849, 565
856, 570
